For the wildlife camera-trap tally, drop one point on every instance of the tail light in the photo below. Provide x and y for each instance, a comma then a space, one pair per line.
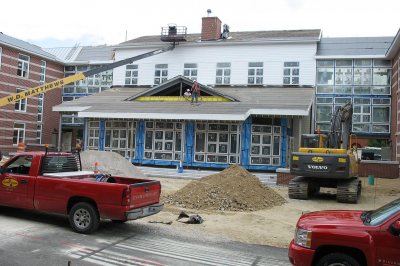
126, 197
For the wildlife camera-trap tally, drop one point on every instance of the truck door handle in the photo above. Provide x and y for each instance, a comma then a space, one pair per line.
23, 181
146, 189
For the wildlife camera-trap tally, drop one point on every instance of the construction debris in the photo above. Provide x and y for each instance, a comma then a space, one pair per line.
233, 189
189, 219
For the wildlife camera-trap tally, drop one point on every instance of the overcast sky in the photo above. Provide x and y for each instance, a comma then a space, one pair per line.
52, 23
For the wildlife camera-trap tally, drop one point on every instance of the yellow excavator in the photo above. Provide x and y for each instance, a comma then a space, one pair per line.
327, 160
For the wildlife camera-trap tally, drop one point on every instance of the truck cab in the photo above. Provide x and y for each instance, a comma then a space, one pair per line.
348, 237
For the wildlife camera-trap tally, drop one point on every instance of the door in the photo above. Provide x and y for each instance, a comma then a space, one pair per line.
387, 247
66, 141
16, 184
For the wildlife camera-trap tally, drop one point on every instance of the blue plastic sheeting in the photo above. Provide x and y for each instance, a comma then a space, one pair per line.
284, 123
102, 134
85, 133
140, 134
189, 143
246, 142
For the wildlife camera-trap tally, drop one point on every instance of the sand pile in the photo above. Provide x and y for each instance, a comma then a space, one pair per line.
110, 163
233, 189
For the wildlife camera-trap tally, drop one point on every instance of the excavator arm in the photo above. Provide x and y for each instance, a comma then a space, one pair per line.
338, 137
79, 76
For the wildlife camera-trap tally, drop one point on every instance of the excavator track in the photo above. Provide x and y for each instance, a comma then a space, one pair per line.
299, 188
349, 191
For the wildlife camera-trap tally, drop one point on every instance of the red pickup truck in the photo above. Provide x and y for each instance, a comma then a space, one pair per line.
55, 183
349, 238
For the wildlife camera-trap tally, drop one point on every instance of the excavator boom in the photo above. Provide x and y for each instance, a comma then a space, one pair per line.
79, 76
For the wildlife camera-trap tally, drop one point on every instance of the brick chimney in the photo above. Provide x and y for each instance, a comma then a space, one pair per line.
210, 29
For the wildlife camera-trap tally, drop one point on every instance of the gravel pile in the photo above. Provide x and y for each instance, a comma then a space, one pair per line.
233, 189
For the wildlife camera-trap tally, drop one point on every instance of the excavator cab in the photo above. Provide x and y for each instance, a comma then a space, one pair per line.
314, 141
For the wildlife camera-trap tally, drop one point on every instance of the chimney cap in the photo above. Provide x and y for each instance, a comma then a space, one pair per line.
208, 12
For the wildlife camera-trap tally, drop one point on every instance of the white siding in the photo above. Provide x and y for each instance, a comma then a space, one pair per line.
207, 56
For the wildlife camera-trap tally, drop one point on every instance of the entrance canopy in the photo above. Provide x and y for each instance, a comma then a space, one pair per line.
166, 101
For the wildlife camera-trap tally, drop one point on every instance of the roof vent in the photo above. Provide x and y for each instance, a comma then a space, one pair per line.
208, 12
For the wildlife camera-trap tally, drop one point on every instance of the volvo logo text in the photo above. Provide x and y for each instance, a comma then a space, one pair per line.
317, 167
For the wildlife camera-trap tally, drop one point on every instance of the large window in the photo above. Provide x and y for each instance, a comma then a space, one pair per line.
265, 143
131, 75
190, 71
120, 137
364, 82
223, 73
255, 73
21, 104
92, 84
217, 143
291, 72
19, 133
160, 73
23, 66
163, 141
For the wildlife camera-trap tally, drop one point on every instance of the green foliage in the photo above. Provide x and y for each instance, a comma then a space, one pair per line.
378, 143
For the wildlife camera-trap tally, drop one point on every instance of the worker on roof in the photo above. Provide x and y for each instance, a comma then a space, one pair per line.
195, 91
187, 93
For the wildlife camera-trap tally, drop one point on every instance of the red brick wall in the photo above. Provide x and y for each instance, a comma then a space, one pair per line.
395, 123
283, 178
9, 81
379, 169
210, 29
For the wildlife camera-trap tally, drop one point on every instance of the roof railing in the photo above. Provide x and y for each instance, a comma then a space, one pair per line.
173, 33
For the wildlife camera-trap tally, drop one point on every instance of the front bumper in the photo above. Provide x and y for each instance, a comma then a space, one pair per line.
300, 256
144, 211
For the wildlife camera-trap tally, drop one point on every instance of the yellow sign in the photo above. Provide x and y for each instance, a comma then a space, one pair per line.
40, 89
317, 159
9, 183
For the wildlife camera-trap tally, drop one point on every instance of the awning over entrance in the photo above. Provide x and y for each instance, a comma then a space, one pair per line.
241, 103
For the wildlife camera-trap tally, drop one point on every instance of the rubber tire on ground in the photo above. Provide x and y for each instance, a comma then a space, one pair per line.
91, 220
338, 259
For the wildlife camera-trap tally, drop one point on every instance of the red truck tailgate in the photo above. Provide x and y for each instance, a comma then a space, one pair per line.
146, 193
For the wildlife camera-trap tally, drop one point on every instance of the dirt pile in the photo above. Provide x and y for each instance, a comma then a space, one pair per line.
109, 163
233, 189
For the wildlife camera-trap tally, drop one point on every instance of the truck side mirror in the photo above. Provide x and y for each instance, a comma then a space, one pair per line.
395, 228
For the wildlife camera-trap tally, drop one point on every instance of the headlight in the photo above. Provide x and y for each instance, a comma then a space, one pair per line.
302, 237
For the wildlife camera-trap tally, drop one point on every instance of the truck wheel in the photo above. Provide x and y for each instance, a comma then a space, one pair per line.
83, 218
337, 259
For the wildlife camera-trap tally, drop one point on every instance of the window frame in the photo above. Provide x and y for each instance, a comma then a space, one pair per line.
162, 76
19, 130
131, 74
43, 68
258, 78
193, 70
224, 78
22, 72
21, 103
292, 67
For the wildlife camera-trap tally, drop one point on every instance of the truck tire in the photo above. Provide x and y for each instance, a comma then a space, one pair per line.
84, 218
338, 259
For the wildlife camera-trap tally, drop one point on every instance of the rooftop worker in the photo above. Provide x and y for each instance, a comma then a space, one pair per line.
187, 93
195, 91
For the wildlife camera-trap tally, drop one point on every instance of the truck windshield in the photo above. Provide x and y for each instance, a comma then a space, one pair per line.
380, 215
